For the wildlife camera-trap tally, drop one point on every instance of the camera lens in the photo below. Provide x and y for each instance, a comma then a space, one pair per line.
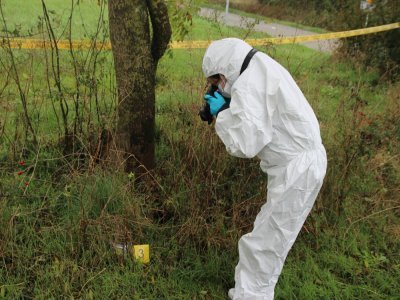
205, 113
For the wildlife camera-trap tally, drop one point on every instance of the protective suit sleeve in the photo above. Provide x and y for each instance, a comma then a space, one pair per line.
246, 127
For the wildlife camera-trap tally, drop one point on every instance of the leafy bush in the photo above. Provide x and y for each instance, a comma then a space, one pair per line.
380, 50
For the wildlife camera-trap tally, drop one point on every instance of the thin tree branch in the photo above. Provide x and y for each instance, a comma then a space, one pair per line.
161, 28
17, 79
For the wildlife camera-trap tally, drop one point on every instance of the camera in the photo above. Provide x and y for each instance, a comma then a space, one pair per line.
205, 111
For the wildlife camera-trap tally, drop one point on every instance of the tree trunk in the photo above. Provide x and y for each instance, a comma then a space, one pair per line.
136, 55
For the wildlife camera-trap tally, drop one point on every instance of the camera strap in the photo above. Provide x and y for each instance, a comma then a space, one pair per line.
247, 60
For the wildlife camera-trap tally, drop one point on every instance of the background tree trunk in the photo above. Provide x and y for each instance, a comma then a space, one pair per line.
136, 55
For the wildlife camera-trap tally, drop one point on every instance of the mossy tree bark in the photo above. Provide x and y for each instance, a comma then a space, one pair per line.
136, 54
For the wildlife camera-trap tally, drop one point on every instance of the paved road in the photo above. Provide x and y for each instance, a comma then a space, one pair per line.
273, 29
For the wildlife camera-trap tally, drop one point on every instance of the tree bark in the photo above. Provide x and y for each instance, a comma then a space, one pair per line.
136, 55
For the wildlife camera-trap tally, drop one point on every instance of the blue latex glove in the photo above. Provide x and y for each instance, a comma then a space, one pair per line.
215, 102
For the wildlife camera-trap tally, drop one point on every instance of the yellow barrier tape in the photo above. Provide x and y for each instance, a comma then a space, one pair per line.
294, 39
323, 36
20, 43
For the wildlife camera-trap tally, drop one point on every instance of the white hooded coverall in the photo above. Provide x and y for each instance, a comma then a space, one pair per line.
270, 118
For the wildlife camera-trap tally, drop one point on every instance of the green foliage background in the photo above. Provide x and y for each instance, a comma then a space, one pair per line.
381, 51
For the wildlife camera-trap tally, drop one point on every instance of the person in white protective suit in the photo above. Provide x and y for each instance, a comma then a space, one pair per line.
268, 117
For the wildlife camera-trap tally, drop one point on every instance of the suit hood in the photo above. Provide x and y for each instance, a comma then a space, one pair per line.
225, 57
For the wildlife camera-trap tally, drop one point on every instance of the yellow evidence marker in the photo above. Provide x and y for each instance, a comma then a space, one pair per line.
141, 253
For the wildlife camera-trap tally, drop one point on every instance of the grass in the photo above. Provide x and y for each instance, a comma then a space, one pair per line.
59, 218
29, 17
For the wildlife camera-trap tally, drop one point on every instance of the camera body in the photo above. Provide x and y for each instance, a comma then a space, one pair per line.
205, 111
